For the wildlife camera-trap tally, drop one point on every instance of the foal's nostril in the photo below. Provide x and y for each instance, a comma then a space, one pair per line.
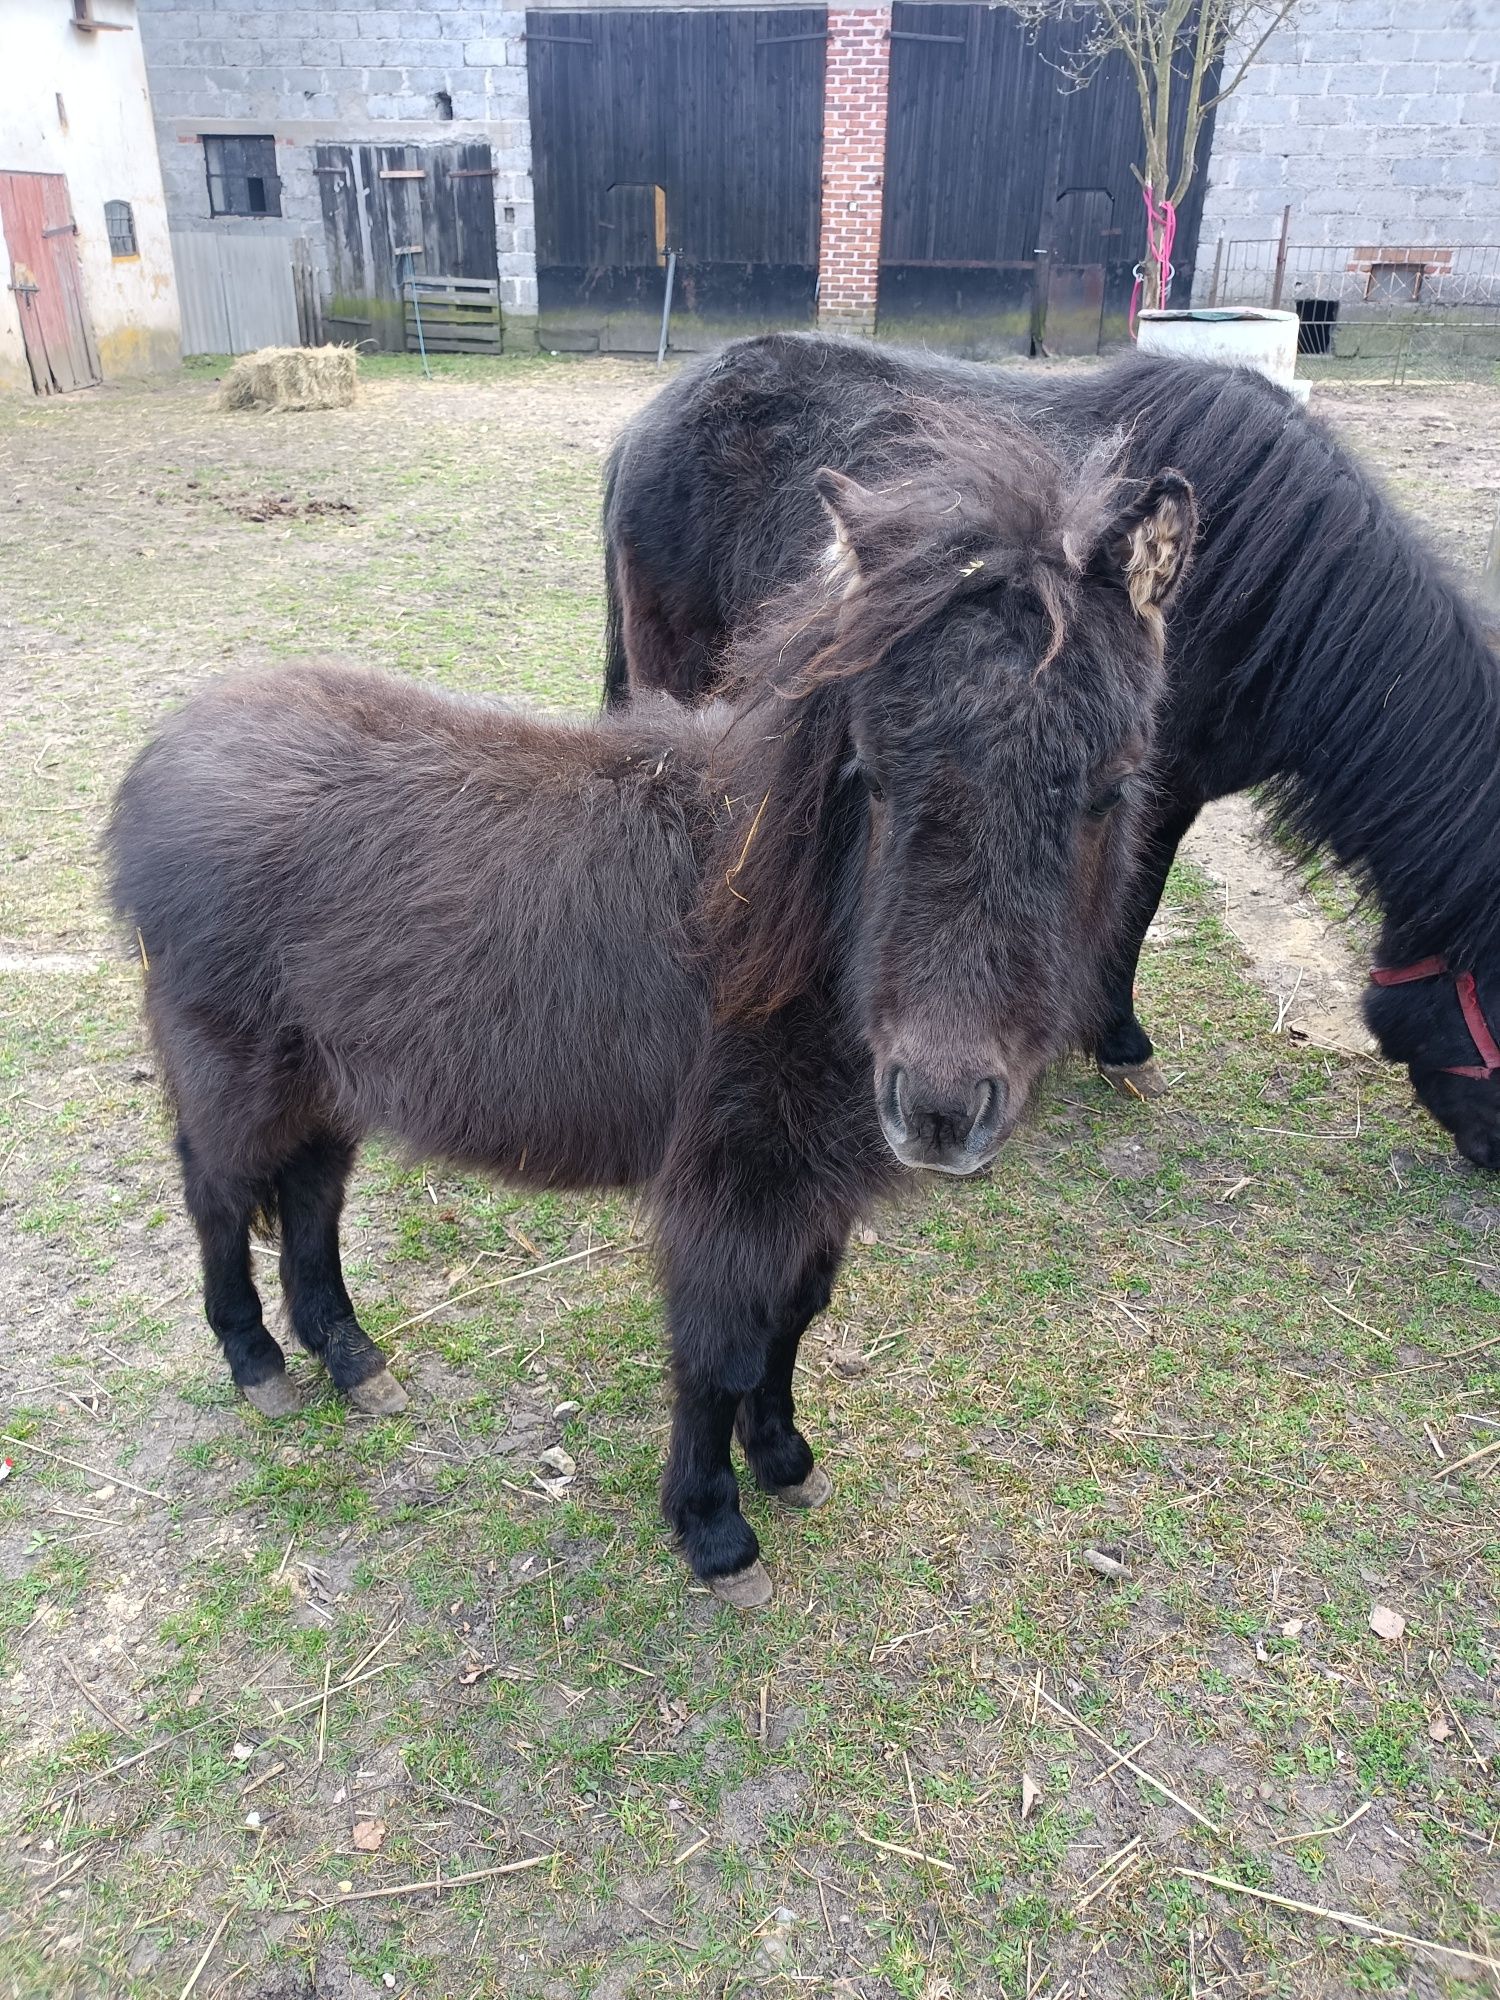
993, 1097
894, 1114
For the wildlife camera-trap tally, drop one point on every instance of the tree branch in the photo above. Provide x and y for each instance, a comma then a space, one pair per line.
1283, 9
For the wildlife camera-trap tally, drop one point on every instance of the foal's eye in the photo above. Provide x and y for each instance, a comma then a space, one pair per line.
870, 782
1106, 800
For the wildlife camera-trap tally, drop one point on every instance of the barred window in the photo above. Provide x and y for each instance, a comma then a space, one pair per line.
120, 224
242, 177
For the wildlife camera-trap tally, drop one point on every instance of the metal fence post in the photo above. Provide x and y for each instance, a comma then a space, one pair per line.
1280, 278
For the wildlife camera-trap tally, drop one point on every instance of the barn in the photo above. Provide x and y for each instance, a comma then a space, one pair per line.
90, 294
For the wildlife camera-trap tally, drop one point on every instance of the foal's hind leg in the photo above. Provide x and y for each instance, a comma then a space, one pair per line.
310, 1198
221, 1208
779, 1455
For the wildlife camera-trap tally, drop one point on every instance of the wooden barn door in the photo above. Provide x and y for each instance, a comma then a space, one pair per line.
1012, 216
42, 239
698, 131
394, 212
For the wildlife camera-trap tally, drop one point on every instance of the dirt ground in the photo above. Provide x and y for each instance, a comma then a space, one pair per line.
342, 1707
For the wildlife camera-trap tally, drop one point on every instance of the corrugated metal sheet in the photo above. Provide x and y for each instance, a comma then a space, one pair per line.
721, 110
236, 290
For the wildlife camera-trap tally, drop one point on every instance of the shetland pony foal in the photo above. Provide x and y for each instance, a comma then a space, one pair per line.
688, 950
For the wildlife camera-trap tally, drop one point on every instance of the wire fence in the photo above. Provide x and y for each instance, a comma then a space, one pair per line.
1374, 312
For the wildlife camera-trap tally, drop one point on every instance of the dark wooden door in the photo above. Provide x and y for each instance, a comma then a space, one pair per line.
696, 130
1012, 215
42, 239
394, 212
1080, 239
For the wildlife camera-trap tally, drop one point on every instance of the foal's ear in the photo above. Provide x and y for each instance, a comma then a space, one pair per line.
847, 505
1147, 543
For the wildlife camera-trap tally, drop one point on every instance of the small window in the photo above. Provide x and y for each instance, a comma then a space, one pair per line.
120, 223
242, 177
1395, 284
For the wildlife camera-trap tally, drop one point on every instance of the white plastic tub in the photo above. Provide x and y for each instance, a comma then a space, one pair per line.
1246, 336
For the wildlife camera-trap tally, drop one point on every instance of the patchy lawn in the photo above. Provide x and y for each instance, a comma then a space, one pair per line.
256, 1681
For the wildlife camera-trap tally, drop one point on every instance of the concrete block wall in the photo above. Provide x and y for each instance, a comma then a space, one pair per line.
1378, 120
369, 72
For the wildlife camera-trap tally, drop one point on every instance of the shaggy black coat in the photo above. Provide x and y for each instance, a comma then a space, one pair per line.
747, 957
1317, 649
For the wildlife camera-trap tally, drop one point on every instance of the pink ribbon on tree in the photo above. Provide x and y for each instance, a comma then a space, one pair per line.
1161, 234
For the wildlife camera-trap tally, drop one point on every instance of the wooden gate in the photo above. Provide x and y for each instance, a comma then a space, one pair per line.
1013, 220
699, 131
393, 213
42, 239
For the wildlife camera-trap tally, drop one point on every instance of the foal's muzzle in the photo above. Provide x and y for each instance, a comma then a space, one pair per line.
952, 1128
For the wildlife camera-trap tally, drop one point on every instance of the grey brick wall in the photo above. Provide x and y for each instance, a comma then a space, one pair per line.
366, 72
1378, 120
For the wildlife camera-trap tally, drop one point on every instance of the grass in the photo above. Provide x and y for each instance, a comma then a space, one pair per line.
1220, 1338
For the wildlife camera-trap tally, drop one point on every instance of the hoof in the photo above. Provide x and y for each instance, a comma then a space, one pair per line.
809, 1492
379, 1395
748, 1589
1142, 1081
274, 1396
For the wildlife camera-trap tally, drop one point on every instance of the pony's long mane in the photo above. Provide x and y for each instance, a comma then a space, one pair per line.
1374, 681
963, 517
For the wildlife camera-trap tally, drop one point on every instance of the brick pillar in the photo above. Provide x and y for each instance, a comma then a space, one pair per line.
855, 92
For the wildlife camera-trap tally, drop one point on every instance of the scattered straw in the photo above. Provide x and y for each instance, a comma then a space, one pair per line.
291, 378
1469, 1458
113, 1720
1324, 1832
445, 1882
1345, 1917
209, 1949
745, 850
323, 1709
1129, 1762
110, 1478
907, 1853
515, 1278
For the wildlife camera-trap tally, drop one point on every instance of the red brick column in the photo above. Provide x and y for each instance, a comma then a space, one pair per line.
855, 91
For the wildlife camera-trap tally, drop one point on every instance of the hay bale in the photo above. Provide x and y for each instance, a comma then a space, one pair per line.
291, 378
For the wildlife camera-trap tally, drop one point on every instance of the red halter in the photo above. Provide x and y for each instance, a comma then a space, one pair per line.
1468, 999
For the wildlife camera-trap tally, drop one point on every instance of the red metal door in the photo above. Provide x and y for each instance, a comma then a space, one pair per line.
41, 236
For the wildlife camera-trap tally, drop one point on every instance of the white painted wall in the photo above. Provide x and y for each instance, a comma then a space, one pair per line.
105, 142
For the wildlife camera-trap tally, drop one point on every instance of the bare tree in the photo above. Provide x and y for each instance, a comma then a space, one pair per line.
1197, 51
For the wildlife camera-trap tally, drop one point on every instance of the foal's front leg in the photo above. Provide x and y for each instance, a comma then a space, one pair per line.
780, 1457
733, 1362
775, 1150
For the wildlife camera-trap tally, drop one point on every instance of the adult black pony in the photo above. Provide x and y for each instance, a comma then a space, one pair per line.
1317, 649
691, 951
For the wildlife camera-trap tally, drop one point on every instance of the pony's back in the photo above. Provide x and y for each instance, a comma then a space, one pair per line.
435, 918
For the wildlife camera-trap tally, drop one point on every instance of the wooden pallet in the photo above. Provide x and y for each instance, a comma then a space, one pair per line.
459, 315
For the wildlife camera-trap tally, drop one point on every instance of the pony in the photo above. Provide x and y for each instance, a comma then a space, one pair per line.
1317, 651
750, 958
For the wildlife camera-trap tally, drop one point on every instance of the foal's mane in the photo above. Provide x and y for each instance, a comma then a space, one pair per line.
954, 517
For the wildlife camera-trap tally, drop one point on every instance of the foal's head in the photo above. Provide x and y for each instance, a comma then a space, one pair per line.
940, 768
